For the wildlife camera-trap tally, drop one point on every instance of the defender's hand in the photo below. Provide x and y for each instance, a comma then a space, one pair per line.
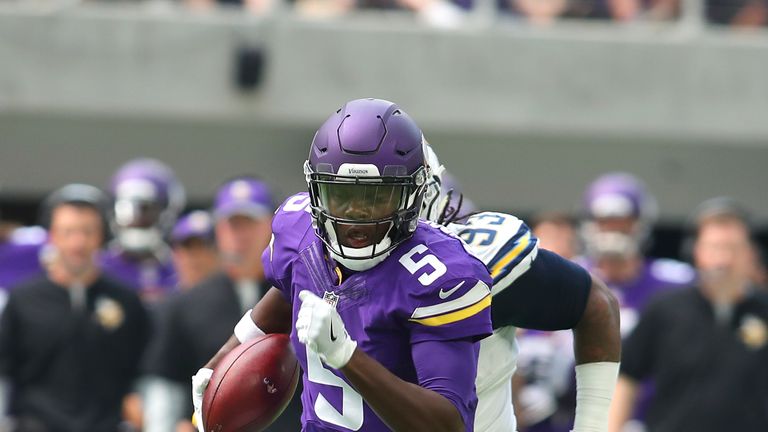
199, 383
321, 329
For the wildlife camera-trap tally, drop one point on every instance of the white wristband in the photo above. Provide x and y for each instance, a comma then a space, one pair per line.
595, 383
246, 330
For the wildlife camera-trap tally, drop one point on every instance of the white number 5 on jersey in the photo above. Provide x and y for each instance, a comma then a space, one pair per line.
438, 268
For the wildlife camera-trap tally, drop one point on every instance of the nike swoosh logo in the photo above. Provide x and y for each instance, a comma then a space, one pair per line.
445, 294
333, 337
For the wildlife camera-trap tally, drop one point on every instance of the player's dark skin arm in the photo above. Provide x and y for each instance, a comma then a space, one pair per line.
390, 397
596, 336
272, 314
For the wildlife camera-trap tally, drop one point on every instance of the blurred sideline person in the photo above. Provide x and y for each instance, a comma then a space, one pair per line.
618, 217
374, 294
526, 280
198, 322
557, 232
70, 342
147, 200
706, 346
195, 257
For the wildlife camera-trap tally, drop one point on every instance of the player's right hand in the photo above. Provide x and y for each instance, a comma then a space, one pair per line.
320, 328
199, 383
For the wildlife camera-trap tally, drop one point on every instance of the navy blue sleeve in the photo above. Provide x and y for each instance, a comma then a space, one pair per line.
551, 295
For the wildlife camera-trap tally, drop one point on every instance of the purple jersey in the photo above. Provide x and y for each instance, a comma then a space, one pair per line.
657, 275
152, 278
429, 289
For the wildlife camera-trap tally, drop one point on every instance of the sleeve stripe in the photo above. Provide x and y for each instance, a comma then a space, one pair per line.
498, 253
456, 315
474, 295
522, 265
510, 256
518, 262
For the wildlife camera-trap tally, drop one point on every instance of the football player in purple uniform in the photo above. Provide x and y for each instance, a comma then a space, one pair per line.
147, 200
618, 214
370, 294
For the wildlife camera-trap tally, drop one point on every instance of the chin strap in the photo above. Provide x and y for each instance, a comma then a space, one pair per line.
359, 264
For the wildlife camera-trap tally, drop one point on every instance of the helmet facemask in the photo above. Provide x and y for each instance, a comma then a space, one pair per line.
362, 218
140, 216
439, 205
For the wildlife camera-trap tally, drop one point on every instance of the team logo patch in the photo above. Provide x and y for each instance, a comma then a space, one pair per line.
200, 221
331, 298
109, 313
241, 190
753, 332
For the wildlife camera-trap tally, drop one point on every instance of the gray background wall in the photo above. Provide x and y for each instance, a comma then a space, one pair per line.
524, 117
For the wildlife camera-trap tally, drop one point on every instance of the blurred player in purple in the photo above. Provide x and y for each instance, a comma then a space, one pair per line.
147, 200
618, 217
385, 311
21, 251
619, 214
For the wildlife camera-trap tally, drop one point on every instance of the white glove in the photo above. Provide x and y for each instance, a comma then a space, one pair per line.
320, 328
199, 383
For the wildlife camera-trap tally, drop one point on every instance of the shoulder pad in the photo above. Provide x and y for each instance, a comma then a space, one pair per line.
503, 242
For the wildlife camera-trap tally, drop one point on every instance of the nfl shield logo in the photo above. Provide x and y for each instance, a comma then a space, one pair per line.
331, 298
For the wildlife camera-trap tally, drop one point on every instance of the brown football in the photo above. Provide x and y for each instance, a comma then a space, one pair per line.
251, 386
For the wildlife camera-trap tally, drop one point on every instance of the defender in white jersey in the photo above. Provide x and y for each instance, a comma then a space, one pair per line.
536, 289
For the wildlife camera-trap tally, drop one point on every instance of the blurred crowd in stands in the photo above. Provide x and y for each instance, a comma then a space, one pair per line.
115, 300
449, 13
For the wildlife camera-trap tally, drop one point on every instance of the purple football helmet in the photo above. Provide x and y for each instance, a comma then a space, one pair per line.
618, 213
148, 198
366, 175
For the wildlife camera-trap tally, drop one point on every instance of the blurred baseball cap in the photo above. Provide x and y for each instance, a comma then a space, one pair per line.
618, 194
196, 224
246, 196
718, 207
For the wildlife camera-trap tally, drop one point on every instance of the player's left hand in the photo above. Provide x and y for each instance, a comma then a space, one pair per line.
321, 329
199, 383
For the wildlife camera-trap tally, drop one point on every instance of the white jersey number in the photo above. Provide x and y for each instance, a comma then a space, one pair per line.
438, 268
297, 203
351, 415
